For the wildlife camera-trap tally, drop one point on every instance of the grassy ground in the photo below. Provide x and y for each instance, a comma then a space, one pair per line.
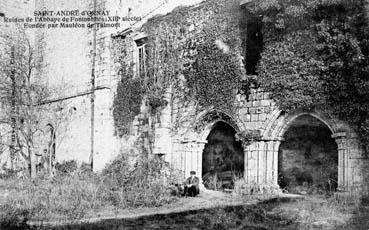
140, 199
214, 211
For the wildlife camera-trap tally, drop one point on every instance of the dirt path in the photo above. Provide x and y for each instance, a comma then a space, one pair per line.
216, 210
207, 199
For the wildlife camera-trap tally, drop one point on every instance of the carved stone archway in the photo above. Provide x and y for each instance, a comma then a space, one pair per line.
195, 140
267, 148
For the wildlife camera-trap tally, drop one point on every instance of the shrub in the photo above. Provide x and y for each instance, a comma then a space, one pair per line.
144, 184
9, 173
66, 167
73, 192
62, 197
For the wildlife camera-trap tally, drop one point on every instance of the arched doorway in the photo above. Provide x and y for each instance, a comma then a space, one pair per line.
308, 157
222, 157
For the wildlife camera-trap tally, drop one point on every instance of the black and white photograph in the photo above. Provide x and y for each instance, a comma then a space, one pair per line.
184, 114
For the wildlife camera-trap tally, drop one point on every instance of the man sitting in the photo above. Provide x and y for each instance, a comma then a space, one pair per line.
192, 185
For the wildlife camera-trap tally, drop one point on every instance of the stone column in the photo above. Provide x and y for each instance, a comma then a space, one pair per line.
192, 158
343, 174
200, 148
272, 156
261, 163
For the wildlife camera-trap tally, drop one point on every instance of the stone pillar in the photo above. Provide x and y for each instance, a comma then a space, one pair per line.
343, 161
261, 163
200, 148
272, 156
192, 157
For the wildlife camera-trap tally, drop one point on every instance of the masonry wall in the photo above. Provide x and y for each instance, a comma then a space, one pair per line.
69, 65
259, 116
68, 55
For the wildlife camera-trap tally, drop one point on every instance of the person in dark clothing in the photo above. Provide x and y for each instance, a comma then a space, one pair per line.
191, 187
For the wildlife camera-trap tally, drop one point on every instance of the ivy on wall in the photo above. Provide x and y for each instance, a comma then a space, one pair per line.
130, 90
203, 46
127, 101
316, 54
214, 77
290, 70
194, 50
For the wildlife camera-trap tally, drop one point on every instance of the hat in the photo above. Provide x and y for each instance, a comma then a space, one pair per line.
193, 173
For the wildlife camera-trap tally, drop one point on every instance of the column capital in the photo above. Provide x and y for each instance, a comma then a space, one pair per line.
339, 135
245, 2
202, 141
186, 141
273, 139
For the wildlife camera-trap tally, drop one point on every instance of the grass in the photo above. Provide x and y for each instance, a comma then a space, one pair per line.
278, 212
273, 213
74, 193
71, 194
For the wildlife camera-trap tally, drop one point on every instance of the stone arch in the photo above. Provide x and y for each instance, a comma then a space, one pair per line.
206, 121
281, 121
194, 140
345, 137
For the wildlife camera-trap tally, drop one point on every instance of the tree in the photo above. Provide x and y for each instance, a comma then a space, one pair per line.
21, 91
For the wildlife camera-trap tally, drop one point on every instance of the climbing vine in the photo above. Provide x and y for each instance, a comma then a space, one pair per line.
194, 51
214, 77
318, 57
127, 101
130, 90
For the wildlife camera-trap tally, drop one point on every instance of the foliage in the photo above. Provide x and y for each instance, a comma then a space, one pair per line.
246, 136
21, 92
320, 59
67, 197
290, 70
214, 78
9, 173
143, 184
343, 45
195, 51
127, 101
66, 167
72, 195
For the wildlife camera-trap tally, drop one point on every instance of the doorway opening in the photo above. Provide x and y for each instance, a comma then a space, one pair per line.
308, 158
223, 158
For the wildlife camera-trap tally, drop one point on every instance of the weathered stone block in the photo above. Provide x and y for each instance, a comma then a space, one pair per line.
248, 117
252, 110
262, 117
254, 117
265, 102
243, 111
256, 103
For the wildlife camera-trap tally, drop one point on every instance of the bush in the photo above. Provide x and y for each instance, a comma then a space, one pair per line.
73, 192
9, 173
69, 197
66, 167
144, 184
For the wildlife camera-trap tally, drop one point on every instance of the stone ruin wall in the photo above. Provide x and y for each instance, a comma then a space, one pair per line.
182, 146
261, 155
